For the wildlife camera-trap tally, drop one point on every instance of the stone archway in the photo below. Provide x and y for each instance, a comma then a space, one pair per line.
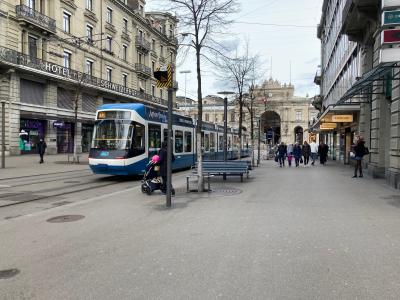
271, 127
298, 134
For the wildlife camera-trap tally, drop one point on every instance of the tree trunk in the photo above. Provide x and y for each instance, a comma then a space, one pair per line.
75, 157
240, 126
199, 125
252, 135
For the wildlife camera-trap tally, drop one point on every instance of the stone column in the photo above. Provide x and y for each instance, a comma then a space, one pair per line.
14, 113
393, 172
50, 101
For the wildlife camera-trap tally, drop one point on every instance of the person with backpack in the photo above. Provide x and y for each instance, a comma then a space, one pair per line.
297, 153
359, 150
281, 153
306, 152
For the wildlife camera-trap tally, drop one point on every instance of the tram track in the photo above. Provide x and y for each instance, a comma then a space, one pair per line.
43, 197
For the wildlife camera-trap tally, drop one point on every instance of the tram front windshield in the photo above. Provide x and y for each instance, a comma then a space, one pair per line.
115, 134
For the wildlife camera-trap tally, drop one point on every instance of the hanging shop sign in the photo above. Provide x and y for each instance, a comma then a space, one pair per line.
342, 118
390, 36
58, 124
391, 17
327, 126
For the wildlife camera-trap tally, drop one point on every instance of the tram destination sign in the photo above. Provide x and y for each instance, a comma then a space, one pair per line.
20, 59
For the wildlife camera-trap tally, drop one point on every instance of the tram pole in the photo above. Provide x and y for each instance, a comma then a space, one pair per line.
169, 143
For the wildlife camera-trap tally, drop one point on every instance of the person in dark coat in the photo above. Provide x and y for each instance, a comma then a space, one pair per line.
163, 166
41, 147
359, 150
323, 152
306, 152
297, 153
282, 153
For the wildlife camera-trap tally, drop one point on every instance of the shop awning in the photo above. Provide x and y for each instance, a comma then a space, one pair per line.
347, 109
370, 83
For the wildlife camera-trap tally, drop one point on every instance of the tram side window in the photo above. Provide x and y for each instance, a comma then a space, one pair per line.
221, 143
165, 132
178, 141
207, 142
138, 139
212, 141
188, 141
154, 137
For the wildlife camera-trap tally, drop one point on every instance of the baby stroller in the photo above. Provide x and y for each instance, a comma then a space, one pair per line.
151, 181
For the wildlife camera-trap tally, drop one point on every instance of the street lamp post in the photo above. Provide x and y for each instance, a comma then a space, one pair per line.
225, 93
3, 134
185, 72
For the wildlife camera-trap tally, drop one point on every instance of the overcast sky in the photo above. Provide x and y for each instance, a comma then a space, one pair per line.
293, 42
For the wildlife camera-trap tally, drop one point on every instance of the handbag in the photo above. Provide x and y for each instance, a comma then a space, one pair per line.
352, 154
366, 151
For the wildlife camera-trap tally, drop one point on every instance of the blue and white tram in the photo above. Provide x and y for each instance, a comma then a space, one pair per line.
126, 135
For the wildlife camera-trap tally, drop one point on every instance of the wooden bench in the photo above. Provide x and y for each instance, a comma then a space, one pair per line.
225, 168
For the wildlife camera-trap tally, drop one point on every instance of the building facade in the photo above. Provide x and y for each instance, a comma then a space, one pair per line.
282, 116
61, 57
359, 84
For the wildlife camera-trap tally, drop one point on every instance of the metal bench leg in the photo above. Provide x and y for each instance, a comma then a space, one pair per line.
208, 183
187, 184
224, 177
241, 177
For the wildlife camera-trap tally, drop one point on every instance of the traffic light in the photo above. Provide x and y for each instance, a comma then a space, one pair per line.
164, 77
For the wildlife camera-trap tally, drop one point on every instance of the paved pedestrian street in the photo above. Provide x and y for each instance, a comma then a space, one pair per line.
284, 233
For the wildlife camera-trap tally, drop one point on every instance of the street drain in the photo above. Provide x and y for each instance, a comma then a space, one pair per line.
226, 191
5, 274
66, 218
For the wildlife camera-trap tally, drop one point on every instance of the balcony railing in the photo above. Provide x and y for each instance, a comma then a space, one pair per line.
17, 59
32, 16
142, 43
144, 70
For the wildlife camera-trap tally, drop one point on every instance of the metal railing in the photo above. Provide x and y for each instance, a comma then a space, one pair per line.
36, 17
143, 69
142, 43
12, 57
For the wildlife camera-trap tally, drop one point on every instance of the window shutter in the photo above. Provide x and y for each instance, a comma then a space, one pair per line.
65, 98
31, 92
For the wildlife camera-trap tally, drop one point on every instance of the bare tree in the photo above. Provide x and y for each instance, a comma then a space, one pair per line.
238, 71
200, 20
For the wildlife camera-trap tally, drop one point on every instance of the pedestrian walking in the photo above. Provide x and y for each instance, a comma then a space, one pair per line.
297, 154
323, 153
163, 167
306, 152
41, 147
359, 151
282, 152
314, 151
290, 158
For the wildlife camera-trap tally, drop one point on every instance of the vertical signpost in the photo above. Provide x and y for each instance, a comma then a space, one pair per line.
164, 78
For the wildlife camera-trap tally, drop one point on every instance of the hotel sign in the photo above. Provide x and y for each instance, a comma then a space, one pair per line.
391, 36
20, 59
342, 118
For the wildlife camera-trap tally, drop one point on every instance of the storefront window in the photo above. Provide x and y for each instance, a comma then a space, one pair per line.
31, 131
87, 133
65, 138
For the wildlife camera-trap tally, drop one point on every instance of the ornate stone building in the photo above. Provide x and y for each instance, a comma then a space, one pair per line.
58, 55
283, 116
